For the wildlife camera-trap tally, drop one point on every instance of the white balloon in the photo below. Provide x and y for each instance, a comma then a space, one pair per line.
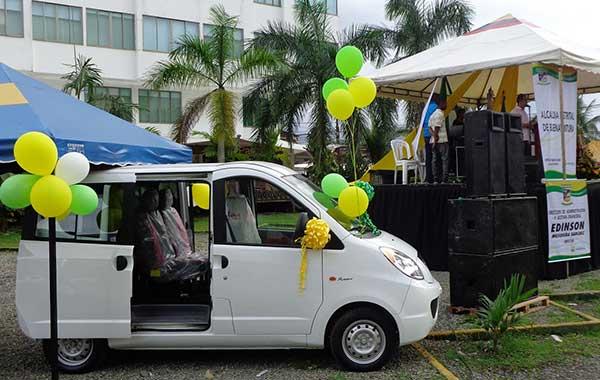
73, 167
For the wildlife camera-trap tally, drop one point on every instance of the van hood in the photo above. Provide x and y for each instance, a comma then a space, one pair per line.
389, 240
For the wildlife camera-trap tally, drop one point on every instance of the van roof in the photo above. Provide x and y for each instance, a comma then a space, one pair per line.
129, 172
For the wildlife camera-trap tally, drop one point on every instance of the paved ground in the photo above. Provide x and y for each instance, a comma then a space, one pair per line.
21, 358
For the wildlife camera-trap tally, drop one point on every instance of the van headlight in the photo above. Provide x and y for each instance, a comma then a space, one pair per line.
402, 262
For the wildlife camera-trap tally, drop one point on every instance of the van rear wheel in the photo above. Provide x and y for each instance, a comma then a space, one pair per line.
363, 340
78, 355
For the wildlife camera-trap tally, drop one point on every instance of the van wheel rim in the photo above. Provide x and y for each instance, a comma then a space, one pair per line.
74, 352
364, 342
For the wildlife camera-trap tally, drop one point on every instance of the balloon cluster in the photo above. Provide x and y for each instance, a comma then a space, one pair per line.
352, 200
343, 97
316, 236
51, 195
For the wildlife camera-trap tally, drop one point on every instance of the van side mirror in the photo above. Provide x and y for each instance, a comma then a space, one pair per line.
300, 225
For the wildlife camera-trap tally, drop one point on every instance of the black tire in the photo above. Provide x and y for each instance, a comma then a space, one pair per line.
87, 362
367, 325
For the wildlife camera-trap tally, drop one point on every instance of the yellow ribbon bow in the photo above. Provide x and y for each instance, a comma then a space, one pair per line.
316, 236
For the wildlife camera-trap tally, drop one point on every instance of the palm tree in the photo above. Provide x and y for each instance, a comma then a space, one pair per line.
384, 127
84, 75
586, 120
420, 25
210, 63
308, 48
266, 129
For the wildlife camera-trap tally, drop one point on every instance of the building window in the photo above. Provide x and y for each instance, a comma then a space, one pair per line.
161, 34
159, 106
57, 23
238, 38
11, 18
276, 3
331, 6
110, 29
101, 92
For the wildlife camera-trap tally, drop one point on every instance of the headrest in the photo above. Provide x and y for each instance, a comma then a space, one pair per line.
150, 200
166, 199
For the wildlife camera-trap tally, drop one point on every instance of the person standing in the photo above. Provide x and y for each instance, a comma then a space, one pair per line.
520, 111
427, 137
439, 141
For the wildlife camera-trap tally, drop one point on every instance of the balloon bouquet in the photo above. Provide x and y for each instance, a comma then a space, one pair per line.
352, 201
53, 196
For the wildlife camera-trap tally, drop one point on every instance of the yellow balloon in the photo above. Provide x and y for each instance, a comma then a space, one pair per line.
340, 104
201, 195
51, 197
353, 201
363, 91
36, 153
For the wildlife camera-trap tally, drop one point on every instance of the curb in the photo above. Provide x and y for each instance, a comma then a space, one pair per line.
434, 362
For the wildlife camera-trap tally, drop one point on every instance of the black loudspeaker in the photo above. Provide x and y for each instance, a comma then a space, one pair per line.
473, 275
515, 165
492, 226
485, 153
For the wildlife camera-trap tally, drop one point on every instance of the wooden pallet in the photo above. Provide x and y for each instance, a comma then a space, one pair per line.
533, 304
462, 310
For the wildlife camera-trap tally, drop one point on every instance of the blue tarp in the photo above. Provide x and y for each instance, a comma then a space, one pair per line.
78, 126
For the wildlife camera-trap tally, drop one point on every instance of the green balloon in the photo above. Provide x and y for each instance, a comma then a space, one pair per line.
85, 200
324, 199
333, 84
349, 60
333, 184
15, 191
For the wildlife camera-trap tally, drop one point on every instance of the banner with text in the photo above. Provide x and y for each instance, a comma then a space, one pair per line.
547, 102
568, 220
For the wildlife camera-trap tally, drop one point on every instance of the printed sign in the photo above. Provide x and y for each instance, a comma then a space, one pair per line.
547, 101
568, 220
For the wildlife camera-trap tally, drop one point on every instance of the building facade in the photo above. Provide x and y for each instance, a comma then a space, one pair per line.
125, 38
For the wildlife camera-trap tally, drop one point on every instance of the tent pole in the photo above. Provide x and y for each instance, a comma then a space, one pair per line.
562, 123
53, 298
562, 136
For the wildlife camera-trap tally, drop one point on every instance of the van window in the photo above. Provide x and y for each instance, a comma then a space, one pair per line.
258, 212
102, 225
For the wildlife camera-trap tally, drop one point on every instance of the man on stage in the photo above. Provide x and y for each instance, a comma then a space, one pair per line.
433, 105
527, 132
439, 142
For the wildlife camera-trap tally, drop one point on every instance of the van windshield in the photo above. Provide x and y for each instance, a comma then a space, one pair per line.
307, 187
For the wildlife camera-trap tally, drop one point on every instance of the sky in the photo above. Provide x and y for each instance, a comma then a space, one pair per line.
576, 18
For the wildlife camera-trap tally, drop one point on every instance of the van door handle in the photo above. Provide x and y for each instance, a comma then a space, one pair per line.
224, 262
121, 263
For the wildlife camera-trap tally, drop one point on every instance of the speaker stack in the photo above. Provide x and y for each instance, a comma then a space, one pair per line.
493, 234
490, 239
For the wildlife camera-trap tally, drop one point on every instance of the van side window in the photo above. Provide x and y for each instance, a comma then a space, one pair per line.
102, 225
259, 213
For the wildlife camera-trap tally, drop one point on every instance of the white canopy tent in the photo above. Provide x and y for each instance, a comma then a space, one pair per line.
489, 50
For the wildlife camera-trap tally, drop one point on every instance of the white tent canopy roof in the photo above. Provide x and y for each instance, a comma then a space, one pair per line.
505, 42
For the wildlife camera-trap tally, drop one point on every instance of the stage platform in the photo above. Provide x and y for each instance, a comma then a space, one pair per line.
418, 214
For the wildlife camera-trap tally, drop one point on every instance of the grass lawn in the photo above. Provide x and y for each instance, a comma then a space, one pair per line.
10, 239
264, 220
589, 283
524, 352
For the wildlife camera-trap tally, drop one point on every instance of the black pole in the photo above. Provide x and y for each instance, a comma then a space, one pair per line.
53, 302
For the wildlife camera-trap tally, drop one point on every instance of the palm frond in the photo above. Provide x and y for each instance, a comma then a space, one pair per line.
181, 129
371, 40
177, 73
252, 64
221, 114
84, 75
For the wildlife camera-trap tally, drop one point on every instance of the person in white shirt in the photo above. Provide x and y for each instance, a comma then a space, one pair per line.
439, 140
527, 132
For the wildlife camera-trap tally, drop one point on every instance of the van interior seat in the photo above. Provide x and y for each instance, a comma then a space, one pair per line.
175, 226
241, 222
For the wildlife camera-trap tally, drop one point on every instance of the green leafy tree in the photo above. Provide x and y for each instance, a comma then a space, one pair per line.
420, 25
497, 316
210, 63
586, 120
84, 75
308, 49
266, 130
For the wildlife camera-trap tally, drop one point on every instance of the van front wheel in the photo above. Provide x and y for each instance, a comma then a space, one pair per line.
363, 340
78, 355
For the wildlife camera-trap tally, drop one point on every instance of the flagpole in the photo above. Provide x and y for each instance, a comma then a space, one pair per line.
53, 298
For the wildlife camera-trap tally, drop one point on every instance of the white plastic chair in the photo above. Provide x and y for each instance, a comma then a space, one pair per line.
401, 151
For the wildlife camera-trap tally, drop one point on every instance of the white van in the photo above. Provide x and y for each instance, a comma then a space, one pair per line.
148, 270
